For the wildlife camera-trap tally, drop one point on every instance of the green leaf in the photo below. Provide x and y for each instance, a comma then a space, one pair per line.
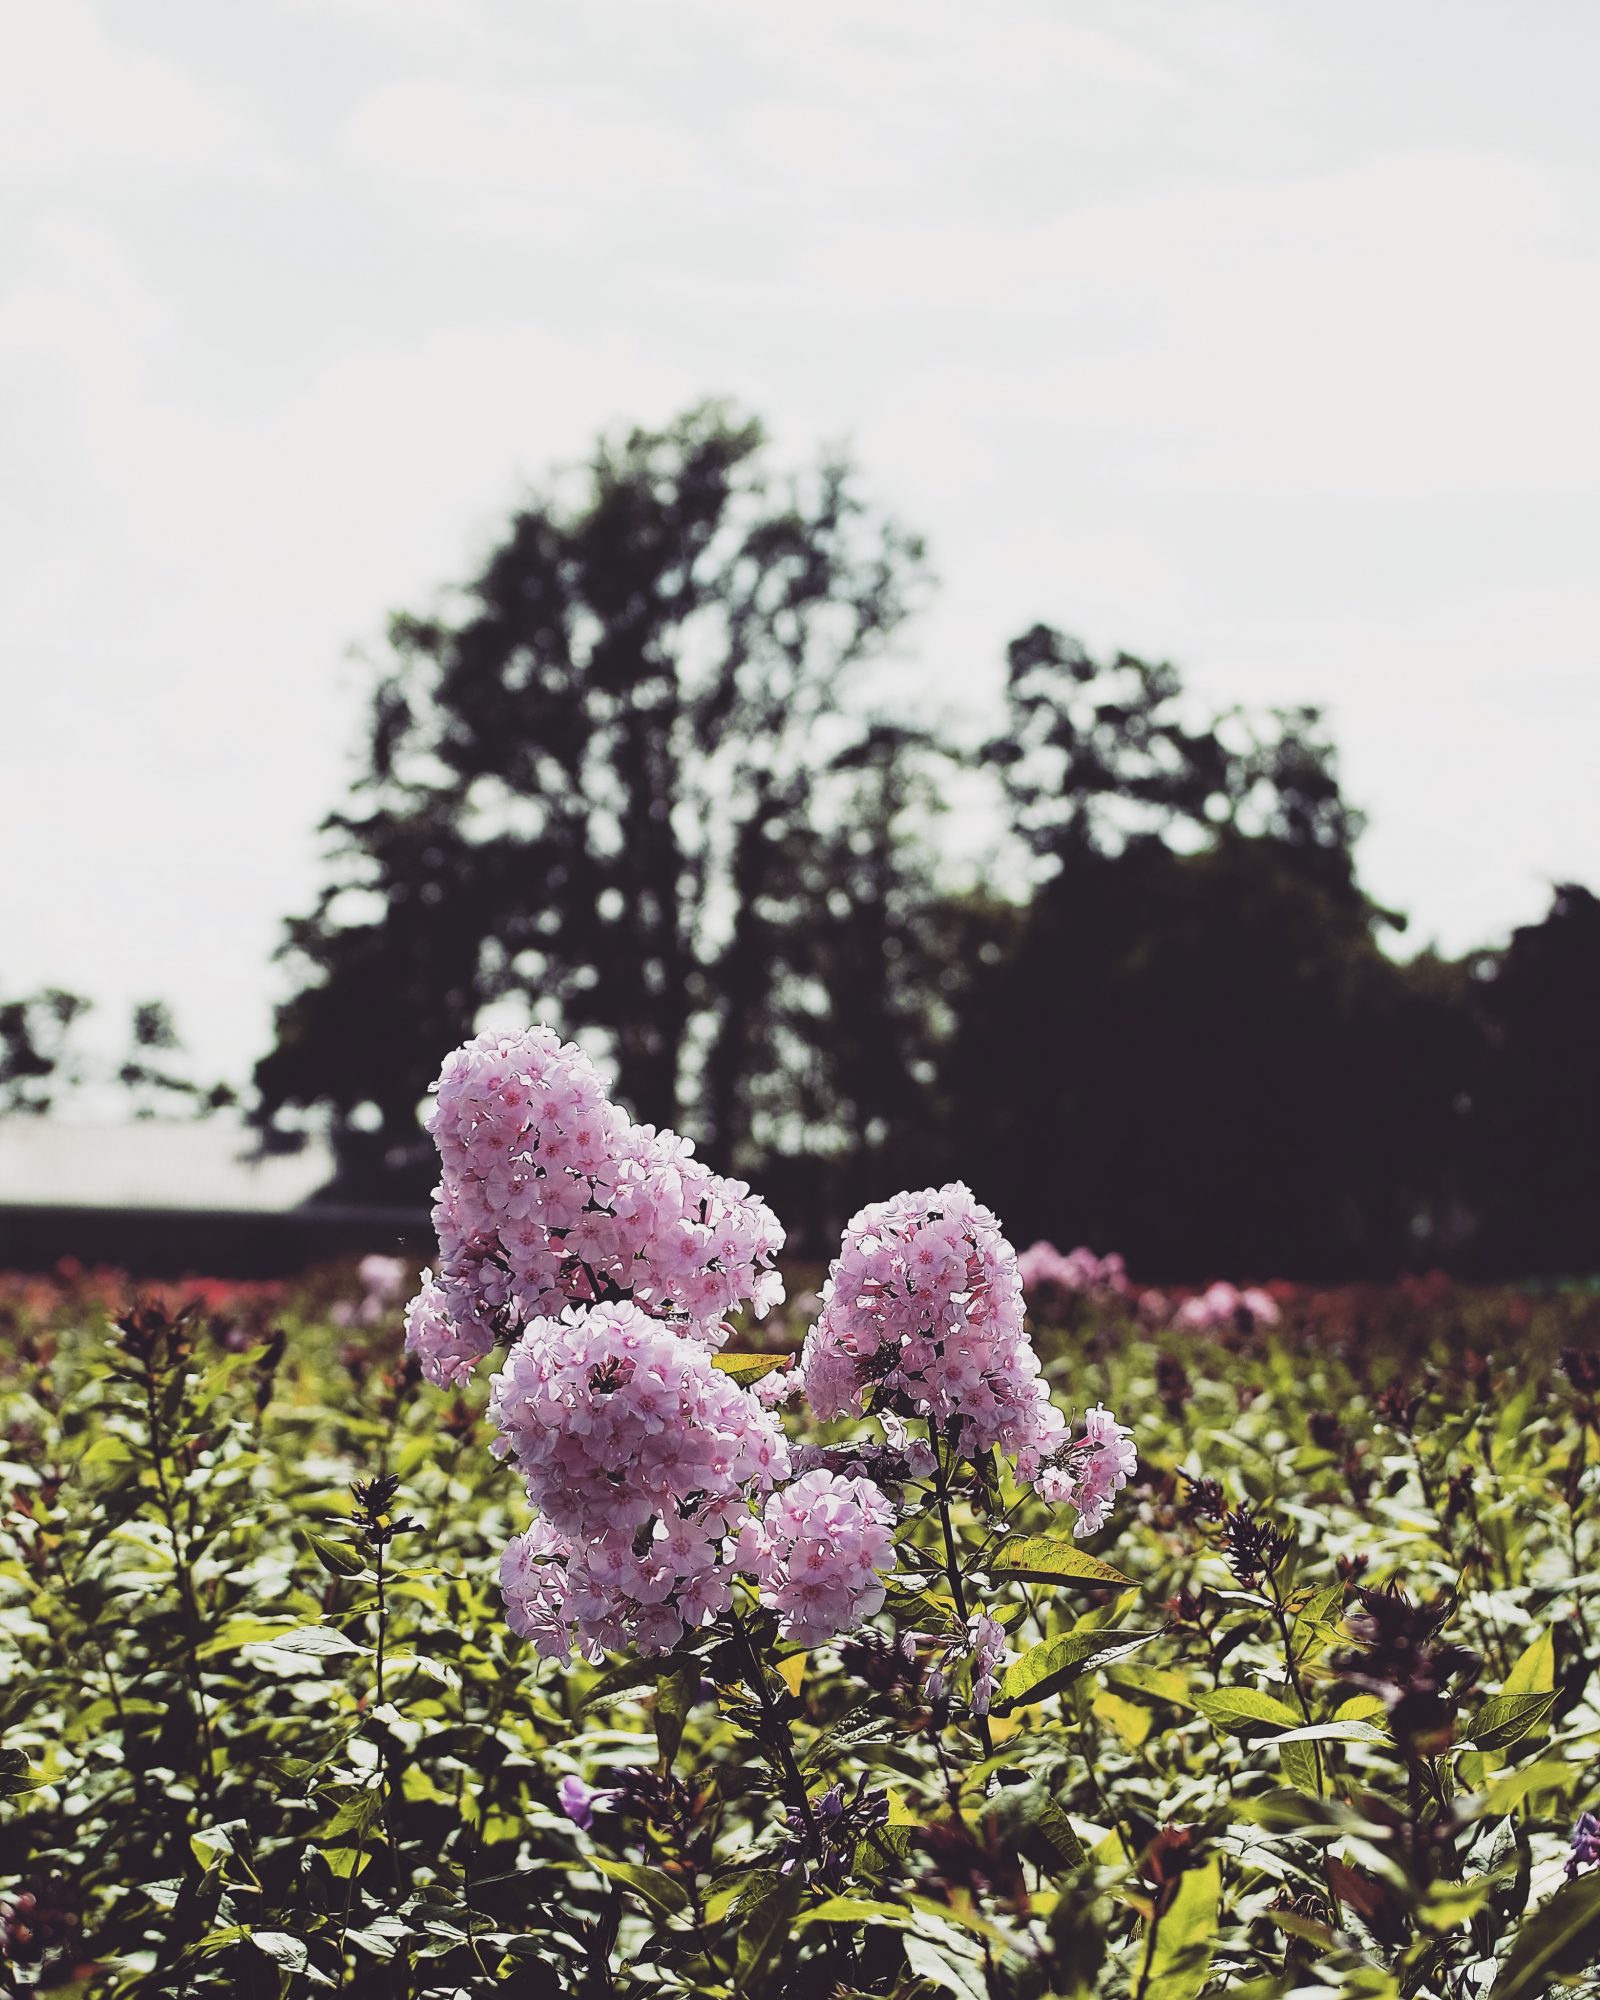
1153, 1684
1505, 1719
1298, 1762
856, 1910
213, 1845
1052, 1824
338, 1558
1047, 1668
677, 1685
1180, 1956
1239, 1709
1549, 1775
1302, 1927
621, 1680
1044, 1559
283, 1949
659, 1890
1535, 1670
1336, 1732
353, 1815
764, 1926
1560, 1938
950, 1971
746, 1368
239, 1632
315, 1641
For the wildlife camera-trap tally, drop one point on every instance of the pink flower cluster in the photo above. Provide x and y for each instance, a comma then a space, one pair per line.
613, 1420
816, 1552
923, 1311
641, 1456
1223, 1304
549, 1195
604, 1595
986, 1641
609, 1256
1091, 1471
1043, 1269
446, 1350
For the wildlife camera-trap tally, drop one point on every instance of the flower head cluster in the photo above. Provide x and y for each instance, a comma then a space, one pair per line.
640, 1455
549, 1195
986, 1640
446, 1348
816, 1551
614, 1419
1223, 1304
1043, 1268
923, 1313
613, 1590
1092, 1470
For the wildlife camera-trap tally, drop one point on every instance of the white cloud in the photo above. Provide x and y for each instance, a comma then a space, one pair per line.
184, 583
540, 163
1159, 326
77, 101
1415, 323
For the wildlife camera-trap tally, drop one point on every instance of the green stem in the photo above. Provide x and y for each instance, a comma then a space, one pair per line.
775, 1738
1149, 1948
182, 1555
1289, 1662
952, 1567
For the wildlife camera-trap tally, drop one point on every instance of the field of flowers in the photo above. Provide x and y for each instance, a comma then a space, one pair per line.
1307, 1704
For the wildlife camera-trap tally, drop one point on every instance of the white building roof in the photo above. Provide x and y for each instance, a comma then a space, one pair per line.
212, 1163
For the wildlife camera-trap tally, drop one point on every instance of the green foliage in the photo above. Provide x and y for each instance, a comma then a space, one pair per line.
263, 1730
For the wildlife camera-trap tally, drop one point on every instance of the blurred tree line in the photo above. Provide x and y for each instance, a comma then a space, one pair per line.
43, 1062
644, 779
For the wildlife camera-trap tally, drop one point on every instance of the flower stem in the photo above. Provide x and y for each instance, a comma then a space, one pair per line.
952, 1567
776, 1739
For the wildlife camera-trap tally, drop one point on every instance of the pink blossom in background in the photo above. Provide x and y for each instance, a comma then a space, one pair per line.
817, 1551
384, 1278
383, 1285
1077, 1272
1222, 1304
924, 1303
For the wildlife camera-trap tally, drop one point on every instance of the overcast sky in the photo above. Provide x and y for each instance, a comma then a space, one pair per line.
1258, 336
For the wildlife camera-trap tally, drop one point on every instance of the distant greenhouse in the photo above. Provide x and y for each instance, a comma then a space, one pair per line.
162, 1199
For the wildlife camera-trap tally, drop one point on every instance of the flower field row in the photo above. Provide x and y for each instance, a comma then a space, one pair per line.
650, 1660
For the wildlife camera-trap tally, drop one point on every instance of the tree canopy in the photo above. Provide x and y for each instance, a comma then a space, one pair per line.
639, 779
606, 783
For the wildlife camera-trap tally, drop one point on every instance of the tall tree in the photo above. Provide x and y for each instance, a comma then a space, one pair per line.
1536, 1108
589, 782
1188, 1047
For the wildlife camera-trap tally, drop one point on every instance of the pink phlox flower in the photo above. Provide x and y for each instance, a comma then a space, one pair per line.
923, 1307
986, 1642
447, 1347
1090, 1471
818, 1553
612, 1417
